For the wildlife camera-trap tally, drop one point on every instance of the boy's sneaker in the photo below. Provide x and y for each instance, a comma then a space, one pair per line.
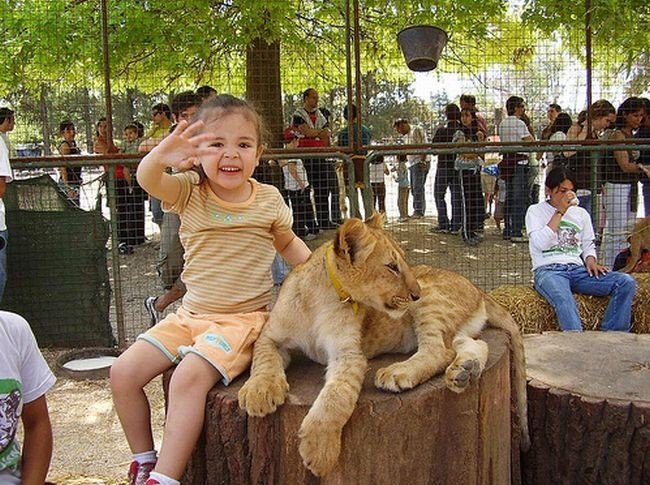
309, 237
150, 306
139, 472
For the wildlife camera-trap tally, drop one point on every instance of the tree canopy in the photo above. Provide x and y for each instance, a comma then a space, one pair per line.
162, 46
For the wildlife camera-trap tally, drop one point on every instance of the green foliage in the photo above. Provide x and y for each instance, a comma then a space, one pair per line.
161, 46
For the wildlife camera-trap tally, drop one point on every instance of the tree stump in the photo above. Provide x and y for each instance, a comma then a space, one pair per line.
428, 435
588, 408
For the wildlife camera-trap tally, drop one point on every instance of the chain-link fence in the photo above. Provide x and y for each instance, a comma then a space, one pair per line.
442, 153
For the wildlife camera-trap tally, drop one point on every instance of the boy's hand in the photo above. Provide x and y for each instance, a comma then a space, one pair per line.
594, 269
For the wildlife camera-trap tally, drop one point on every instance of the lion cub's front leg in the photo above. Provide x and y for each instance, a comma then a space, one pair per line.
320, 432
431, 358
267, 385
471, 357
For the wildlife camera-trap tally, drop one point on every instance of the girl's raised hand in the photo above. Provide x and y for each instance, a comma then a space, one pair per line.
181, 149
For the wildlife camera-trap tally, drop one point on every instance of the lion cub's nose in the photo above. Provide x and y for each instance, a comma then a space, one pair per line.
415, 297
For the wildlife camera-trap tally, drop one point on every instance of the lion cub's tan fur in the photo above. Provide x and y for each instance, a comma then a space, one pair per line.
639, 239
434, 312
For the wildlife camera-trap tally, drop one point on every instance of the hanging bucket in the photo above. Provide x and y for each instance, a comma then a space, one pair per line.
422, 46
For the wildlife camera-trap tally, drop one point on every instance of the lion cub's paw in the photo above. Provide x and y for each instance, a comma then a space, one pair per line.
460, 373
260, 396
320, 445
395, 378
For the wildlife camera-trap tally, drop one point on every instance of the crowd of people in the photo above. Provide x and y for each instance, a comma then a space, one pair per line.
221, 230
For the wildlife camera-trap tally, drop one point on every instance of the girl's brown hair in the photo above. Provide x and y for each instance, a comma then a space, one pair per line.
224, 104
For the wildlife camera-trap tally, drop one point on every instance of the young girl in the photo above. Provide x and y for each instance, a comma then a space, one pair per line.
469, 174
231, 227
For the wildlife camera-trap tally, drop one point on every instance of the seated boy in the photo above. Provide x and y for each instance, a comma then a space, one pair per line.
24, 379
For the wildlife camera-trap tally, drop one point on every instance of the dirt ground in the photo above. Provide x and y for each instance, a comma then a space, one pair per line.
89, 445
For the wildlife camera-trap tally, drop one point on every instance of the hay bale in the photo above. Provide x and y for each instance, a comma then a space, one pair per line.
534, 315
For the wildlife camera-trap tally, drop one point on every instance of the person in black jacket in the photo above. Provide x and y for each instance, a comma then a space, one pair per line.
446, 176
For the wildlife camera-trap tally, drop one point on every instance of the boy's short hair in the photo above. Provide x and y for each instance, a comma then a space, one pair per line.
5, 113
306, 93
353, 111
206, 91
469, 99
399, 122
131, 126
452, 112
512, 103
556, 107
162, 108
140, 128
65, 124
184, 100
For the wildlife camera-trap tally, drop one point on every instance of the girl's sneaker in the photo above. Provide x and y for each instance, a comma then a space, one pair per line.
139, 472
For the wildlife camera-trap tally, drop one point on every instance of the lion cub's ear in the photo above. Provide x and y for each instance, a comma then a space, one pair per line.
376, 220
354, 241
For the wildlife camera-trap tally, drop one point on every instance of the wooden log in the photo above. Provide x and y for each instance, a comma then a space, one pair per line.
428, 435
588, 408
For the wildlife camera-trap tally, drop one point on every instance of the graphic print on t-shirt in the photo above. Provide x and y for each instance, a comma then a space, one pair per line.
10, 400
568, 241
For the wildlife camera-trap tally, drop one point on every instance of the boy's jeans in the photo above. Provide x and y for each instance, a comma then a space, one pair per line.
556, 282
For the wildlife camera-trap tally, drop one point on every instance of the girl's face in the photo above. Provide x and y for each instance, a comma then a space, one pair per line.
466, 118
558, 193
69, 133
101, 128
235, 138
603, 122
633, 120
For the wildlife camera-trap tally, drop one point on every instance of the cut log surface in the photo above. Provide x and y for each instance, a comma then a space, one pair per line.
428, 435
588, 408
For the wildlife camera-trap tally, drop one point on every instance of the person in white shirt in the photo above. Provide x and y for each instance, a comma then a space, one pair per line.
564, 260
24, 379
417, 164
7, 121
514, 170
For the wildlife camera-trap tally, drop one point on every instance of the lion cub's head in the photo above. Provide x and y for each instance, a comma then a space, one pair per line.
372, 268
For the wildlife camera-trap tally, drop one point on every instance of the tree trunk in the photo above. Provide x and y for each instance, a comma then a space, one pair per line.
588, 408
263, 89
45, 119
429, 435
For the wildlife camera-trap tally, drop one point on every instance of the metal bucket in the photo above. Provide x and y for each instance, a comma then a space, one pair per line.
422, 46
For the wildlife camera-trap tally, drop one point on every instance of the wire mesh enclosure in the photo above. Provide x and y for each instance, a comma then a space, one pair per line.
93, 84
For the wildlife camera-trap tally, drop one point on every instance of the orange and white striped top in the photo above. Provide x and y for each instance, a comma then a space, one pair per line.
228, 246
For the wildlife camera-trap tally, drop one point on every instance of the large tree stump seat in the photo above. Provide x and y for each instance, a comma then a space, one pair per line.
428, 435
588, 408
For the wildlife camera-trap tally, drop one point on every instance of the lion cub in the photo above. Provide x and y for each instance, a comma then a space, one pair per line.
354, 299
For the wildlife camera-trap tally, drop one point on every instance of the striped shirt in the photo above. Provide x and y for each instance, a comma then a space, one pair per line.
228, 246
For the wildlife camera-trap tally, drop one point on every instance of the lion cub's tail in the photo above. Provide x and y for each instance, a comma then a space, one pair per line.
499, 317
